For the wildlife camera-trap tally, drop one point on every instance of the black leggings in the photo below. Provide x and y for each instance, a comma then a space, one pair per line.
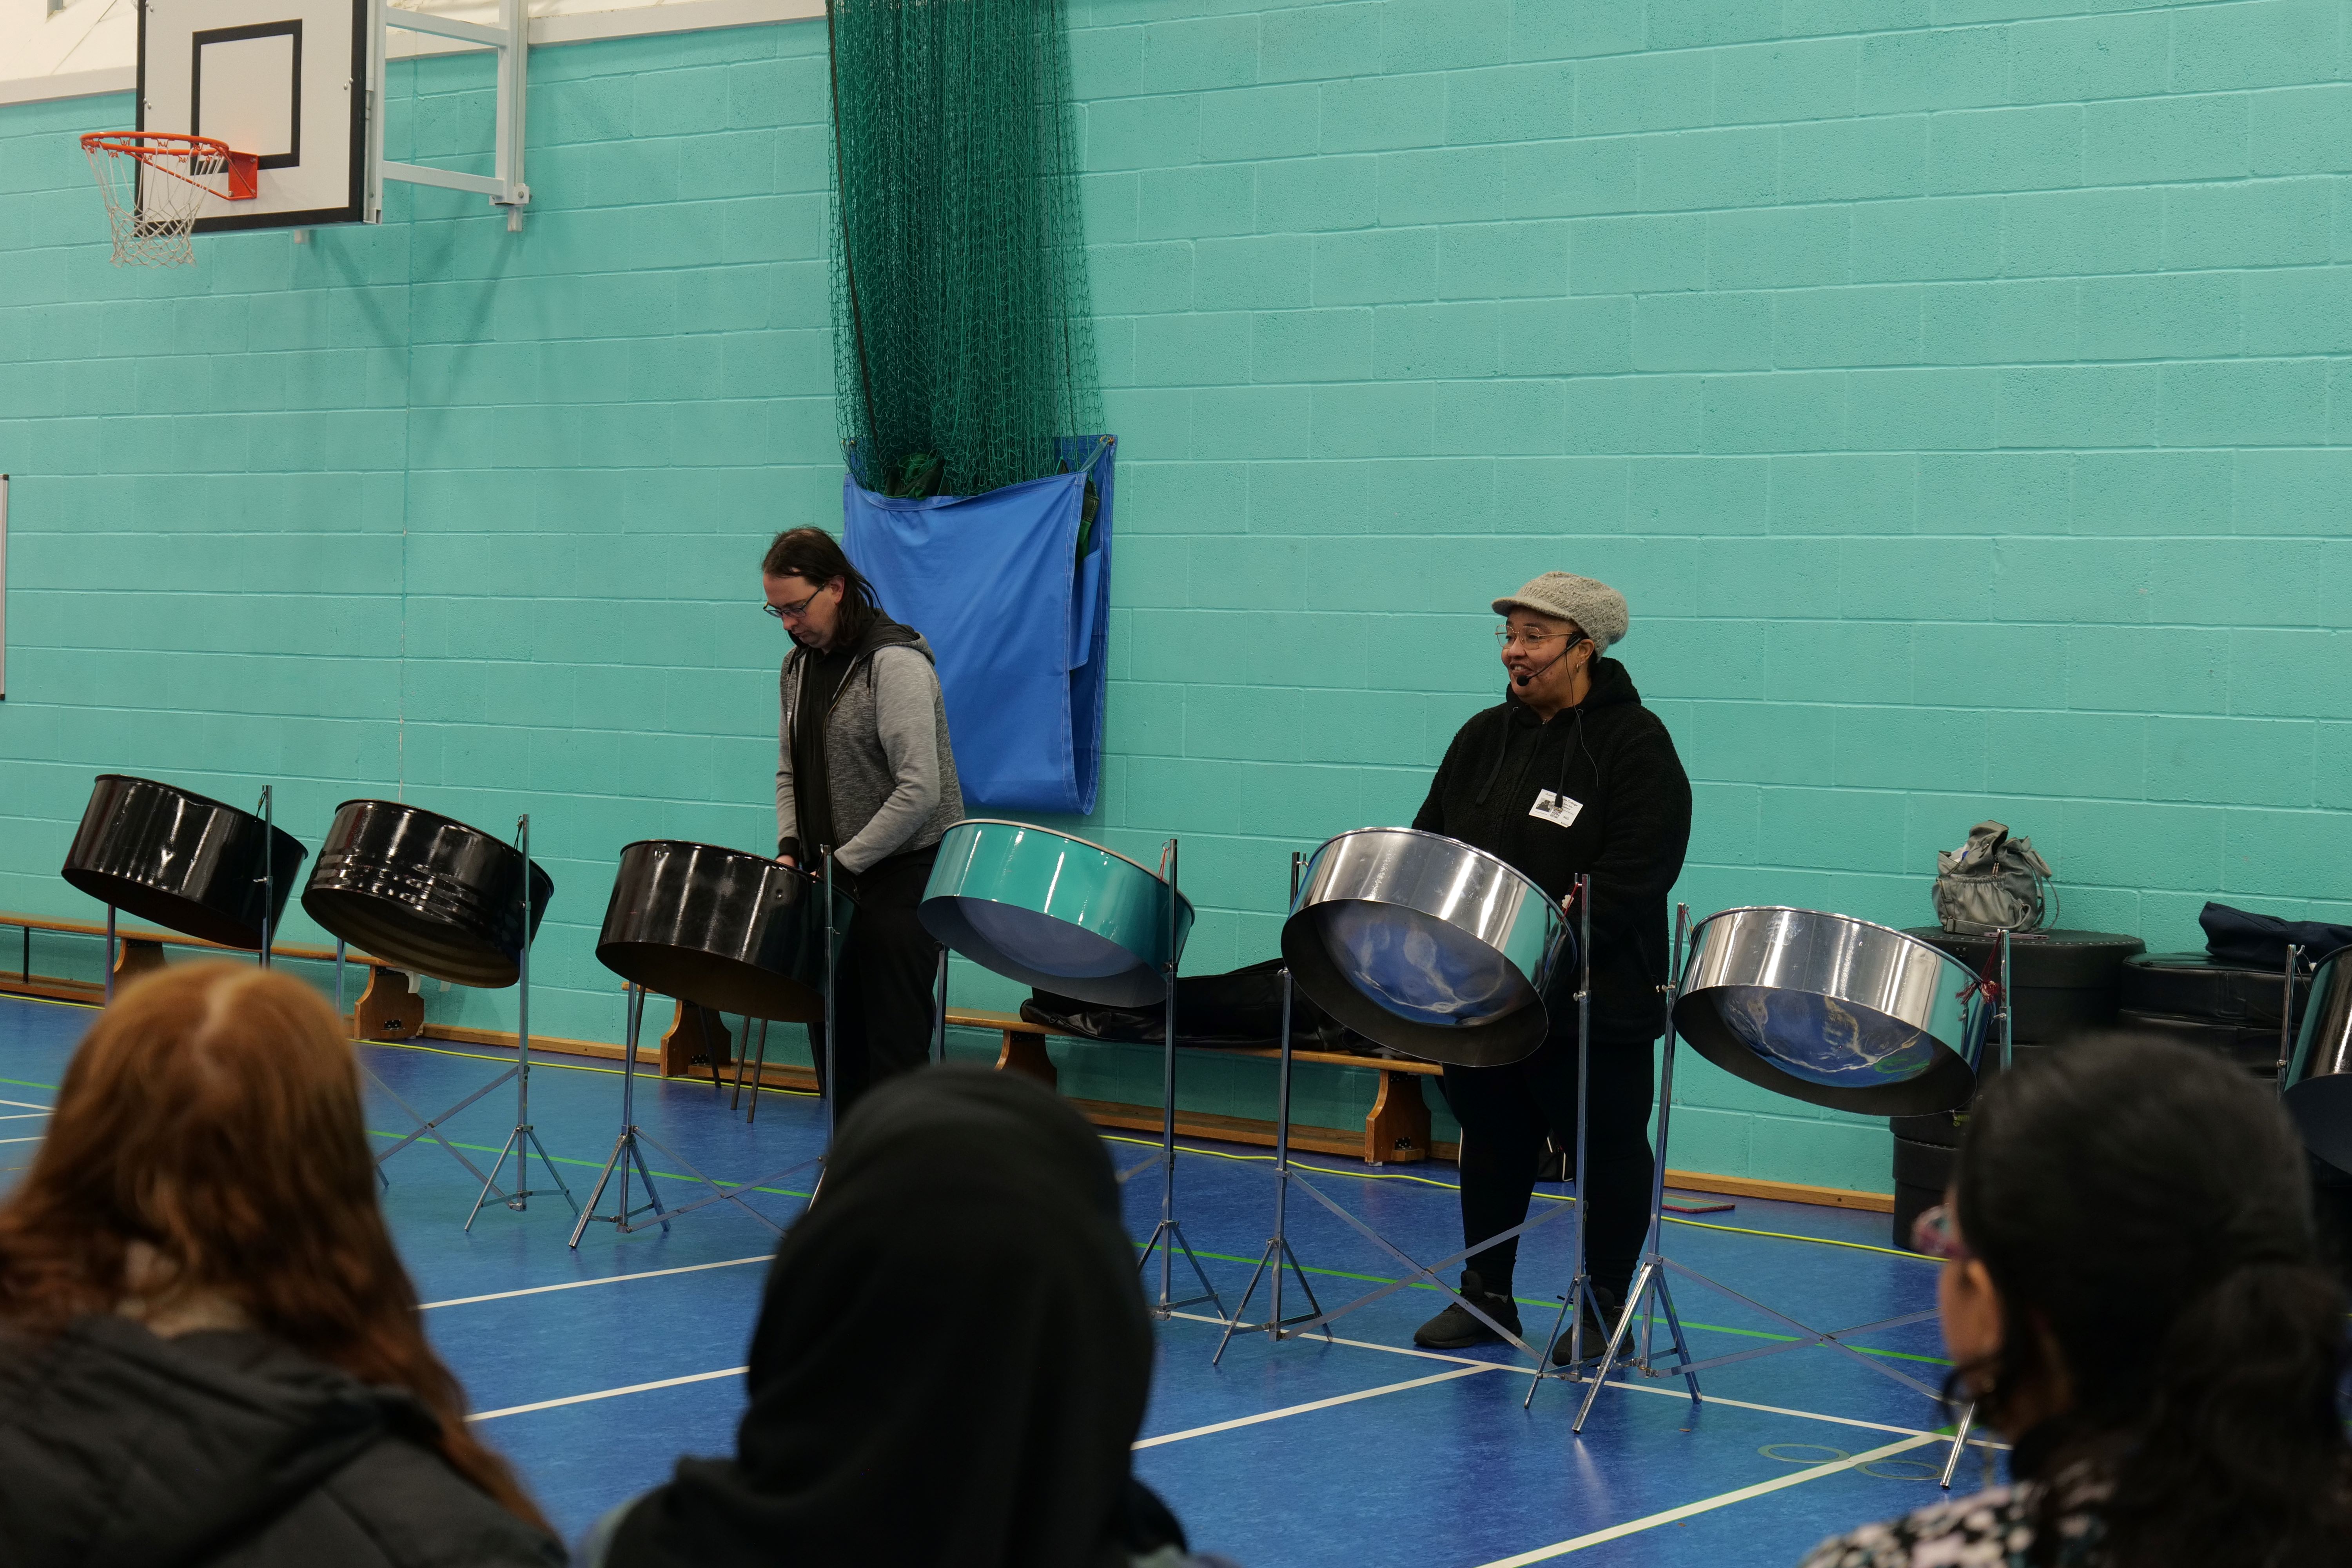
1505, 1113
888, 969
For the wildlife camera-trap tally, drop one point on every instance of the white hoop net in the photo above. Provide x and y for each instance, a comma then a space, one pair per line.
155, 187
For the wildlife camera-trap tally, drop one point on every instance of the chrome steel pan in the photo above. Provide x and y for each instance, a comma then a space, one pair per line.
1054, 912
183, 861
1829, 1010
1420, 942
736, 933
425, 892
2319, 1076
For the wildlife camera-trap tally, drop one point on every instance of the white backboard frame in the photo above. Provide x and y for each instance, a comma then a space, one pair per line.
323, 176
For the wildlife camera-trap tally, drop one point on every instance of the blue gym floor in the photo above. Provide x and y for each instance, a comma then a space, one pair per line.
594, 1369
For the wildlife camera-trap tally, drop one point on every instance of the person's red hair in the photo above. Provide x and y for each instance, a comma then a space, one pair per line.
213, 1112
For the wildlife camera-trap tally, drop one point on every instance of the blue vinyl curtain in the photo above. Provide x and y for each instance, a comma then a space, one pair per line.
1019, 620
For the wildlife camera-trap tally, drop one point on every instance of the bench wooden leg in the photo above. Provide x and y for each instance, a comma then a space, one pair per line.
134, 956
388, 1009
1025, 1053
1397, 1131
695, 1034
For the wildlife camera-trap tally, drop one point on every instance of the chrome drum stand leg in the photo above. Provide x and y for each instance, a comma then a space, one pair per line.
1168, 1237
523, 1142
1579, 1279
1278, 1247
626, 1152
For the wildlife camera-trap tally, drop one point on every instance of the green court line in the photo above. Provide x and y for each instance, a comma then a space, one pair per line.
26, 1083
599, 1164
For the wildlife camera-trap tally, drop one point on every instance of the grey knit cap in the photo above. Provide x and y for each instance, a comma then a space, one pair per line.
1596, 607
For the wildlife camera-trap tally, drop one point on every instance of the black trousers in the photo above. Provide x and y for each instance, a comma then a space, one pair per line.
884, 980
1505, 1113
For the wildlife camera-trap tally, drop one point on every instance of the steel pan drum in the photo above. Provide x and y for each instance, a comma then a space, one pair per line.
425, 892
2319, 1076
1421, 943
1829, 1010
1054, 912
182, 860
736, 933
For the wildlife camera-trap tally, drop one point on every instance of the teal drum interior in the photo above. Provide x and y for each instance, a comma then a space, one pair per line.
1055, 911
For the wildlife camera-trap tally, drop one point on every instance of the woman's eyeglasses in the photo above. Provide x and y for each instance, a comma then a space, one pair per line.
1932, 1234
1534, 642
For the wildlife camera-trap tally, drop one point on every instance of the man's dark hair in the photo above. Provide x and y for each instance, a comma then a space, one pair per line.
816, 558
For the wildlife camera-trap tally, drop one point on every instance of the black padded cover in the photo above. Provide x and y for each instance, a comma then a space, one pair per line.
2198, 985
2255, 1048
2065, 979
1923, 1164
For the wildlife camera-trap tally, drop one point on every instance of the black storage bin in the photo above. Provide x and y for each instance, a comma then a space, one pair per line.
2064, 980
1910, 1203
2251, 1047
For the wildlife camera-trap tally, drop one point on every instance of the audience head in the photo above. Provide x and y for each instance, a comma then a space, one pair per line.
206, 1166
952, 1358
2137, 1284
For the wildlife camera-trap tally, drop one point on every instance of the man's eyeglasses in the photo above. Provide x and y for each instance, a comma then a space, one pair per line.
792, 612
1932, 1234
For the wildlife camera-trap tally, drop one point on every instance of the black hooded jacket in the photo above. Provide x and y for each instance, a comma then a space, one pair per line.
226, 1450
1612, 757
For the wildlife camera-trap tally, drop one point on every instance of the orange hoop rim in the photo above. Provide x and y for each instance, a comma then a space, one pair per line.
145, 144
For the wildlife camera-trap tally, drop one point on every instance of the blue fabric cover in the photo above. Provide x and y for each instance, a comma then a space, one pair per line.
1020, 624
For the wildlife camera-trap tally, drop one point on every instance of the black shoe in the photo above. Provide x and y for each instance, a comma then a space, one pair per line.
1602, 1309
1454, 1328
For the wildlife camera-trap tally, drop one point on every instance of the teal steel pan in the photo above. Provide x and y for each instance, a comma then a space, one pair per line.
1053, 910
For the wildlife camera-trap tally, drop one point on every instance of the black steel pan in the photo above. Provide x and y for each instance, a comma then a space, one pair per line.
736, 933
182, 860
425, 892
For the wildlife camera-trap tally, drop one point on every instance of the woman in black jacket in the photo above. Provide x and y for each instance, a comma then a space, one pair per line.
1569, 773
210, 1355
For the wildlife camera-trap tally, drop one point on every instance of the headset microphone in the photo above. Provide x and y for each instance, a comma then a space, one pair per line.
1526, 678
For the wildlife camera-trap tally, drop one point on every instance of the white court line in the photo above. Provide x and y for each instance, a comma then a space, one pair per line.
34, 1139
22, 1115
1668, 1516
1976, 1442
608, 1393
28, 1104
1303, 1409
584, 1284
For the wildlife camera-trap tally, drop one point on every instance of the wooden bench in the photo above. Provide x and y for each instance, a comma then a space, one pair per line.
388, 1009
1396, 1131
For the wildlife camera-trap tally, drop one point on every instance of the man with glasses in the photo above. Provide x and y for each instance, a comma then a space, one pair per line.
1569, 773
862, 764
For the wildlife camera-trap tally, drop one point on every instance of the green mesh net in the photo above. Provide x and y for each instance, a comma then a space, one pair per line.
961, 317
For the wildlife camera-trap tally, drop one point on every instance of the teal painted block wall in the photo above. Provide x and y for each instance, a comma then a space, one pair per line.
1958, 390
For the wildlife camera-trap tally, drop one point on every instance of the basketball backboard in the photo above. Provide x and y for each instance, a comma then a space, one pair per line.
285, 79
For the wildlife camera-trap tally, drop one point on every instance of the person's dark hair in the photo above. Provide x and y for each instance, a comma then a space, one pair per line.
816, 557
2148, 1206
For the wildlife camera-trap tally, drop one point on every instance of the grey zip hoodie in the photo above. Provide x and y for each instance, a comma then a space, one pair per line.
891, 772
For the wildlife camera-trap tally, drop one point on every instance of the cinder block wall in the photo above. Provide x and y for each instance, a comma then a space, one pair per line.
1955, 389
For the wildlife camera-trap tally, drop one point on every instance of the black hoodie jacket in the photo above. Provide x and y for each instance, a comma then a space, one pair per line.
119, 1449
1612, 756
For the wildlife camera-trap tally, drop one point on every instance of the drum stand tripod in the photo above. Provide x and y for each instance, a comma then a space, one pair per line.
626, 1150
1168, 1237
523, 1141
1286, 1176
1650, 1294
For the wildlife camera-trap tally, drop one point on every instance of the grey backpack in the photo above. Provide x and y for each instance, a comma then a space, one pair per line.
1992, 882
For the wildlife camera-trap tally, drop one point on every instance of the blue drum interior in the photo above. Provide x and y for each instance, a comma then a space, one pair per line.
1052, 947
1823, 1039
1419, 968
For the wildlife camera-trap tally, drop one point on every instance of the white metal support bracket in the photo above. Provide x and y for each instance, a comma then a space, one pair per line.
511, 41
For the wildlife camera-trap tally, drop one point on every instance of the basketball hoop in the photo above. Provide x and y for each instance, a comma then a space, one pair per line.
155, 184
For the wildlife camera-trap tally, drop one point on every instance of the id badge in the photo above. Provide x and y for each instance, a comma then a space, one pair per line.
1557, 809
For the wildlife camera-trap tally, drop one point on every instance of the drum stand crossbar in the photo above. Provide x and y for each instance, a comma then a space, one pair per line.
1651, 1295
1429, 1273
1168, 1237
627, 1154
